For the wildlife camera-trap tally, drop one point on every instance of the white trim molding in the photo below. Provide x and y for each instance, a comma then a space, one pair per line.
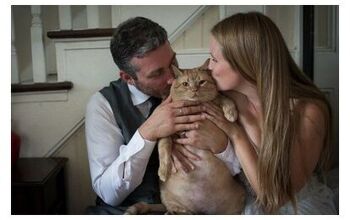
187, 23
65, 45
228, 10
57, 147
47, 96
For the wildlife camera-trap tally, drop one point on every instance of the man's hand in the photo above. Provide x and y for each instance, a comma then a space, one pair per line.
171, 117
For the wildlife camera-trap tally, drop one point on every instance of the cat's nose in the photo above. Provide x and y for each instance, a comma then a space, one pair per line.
194, 89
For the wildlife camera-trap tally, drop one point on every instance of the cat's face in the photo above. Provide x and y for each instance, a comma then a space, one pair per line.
193, 85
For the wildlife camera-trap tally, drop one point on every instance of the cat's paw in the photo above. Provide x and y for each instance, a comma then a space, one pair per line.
163, 172
132, 210
230, 113
137, 208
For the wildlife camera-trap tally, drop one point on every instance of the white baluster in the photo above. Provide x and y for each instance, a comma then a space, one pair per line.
93, 16
115, 15
65, 17
14, 62
38, 57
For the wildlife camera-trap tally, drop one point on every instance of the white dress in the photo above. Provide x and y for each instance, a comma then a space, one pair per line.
315, 198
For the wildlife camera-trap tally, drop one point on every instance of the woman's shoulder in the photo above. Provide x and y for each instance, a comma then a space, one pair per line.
310, 107
312, 113
237, 97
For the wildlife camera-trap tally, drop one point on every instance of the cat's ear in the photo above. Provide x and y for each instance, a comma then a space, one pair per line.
177, 72
205, 65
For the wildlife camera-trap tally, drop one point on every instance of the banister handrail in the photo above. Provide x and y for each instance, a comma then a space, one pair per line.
86, 33
36, 87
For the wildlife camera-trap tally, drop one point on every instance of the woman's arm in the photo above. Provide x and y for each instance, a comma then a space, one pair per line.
243, 147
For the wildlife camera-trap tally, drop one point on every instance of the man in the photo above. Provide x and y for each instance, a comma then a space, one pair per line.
121, 130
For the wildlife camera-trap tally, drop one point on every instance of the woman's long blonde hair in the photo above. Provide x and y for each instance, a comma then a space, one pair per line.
254, 46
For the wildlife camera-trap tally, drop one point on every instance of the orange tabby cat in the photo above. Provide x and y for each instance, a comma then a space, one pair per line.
210, 187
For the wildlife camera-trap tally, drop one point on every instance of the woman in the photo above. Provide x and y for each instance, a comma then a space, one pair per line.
282, 135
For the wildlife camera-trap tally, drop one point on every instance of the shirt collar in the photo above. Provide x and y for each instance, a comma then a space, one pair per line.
137, 96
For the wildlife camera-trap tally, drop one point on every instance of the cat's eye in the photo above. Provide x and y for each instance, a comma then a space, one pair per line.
202, 82
185, 84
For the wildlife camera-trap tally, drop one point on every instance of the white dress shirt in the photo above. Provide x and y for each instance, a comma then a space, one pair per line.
117, 169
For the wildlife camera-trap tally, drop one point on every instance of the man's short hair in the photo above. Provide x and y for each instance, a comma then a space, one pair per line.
134, 38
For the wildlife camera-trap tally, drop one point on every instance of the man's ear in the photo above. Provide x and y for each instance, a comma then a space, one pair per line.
127, 78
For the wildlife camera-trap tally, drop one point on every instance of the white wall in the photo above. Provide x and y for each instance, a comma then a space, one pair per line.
79, 190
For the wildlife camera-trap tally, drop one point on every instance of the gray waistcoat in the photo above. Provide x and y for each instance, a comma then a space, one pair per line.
129, 119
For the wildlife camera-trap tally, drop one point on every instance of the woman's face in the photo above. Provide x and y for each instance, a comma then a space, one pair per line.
226, 78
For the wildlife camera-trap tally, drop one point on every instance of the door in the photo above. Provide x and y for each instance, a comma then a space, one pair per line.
326, 61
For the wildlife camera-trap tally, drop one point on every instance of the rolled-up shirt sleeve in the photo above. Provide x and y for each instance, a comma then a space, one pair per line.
116, 169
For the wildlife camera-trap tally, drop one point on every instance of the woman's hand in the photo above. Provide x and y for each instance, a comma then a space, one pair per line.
182, 157
207, 137
171, 117
216, 115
